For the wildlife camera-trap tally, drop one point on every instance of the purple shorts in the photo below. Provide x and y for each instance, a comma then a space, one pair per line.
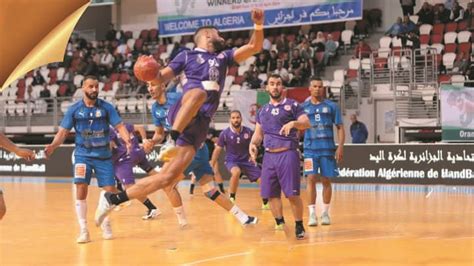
124, 166
195, 133
280, 172
249, 169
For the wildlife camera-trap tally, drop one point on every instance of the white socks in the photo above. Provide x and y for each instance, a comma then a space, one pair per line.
326, 207
179, 211
239, 214
312, 209
81, 213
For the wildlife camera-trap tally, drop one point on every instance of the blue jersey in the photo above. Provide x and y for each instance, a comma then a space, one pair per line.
92, 127
319, 139
159, 112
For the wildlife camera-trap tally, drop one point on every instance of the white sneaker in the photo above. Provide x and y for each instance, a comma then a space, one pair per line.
313, 220
83, 237
103, 209
167, 151
151, 214
106, 230
325, 220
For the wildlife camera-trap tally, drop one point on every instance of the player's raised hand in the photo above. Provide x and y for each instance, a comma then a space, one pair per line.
25, 154
286, 129
257, 15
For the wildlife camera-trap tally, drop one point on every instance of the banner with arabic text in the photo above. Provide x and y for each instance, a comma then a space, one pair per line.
183, 17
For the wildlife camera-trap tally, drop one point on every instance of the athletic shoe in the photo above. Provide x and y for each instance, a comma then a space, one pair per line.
106, 230
83, 237
299, 231
167, 151
151, 214
123, 205
251, 220
232, 199
104, 207
280, 227
265, 206
313, 220
325, 220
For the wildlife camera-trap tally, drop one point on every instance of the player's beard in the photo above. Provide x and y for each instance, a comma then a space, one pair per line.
276, 97
92, 95
236, 124
219, 45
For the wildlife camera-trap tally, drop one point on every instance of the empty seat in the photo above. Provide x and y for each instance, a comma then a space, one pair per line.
425, 29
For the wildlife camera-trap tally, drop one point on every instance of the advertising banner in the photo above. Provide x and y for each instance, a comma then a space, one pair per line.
457, 113
181, 17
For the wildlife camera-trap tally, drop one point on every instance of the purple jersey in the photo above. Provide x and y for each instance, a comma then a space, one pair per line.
204, 70
120, 152
273, 117
236, 144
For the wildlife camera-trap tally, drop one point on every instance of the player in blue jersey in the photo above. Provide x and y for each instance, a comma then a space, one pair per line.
90, 118
320, 153
204, 70
26, 154
236, 140
159, 111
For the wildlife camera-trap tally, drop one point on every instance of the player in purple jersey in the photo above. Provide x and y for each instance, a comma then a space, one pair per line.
26, 154
236, 140
320, 154
277, 126
203, 71
124, 163
90, 118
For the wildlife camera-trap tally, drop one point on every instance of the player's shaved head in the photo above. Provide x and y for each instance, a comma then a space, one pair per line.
199, 32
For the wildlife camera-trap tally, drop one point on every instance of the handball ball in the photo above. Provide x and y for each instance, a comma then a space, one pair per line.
146, 68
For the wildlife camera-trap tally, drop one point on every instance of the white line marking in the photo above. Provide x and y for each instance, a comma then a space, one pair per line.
345, 240
459, 238
217, 258
429, 193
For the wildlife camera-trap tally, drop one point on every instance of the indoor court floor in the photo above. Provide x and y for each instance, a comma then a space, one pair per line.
372, 225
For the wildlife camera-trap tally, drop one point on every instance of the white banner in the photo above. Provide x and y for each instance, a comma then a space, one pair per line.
180, 17
246, 103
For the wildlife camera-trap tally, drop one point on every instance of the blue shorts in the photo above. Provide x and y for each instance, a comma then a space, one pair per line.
103, 169
200, 168
326, 166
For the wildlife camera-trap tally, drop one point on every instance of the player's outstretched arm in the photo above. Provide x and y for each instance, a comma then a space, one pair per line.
59, 139
11, 147
301, 123
256, 41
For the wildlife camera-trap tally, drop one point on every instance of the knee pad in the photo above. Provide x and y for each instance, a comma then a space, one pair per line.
212, 194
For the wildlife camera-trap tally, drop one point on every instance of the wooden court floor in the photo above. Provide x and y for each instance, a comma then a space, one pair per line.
372, 225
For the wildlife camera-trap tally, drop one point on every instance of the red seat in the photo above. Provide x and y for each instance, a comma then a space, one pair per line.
153, 35
124, 77
444, 78
462, 25
450, 48
336, 35
424, 39
436, 38
451, 27
107, 86
138, 44
352, 73
114, 77
239, 80
128, 34
439, 59
464, 47
144, 35
438, 29
380, 62
320, 56
62, 90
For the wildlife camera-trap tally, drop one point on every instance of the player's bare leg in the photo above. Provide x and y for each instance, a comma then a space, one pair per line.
176, 202
234, 182
311, 194
169, 175
276, 207
218, 178
327, 194
3, 206
213, 194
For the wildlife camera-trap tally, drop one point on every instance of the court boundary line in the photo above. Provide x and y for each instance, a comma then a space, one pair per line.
217, 258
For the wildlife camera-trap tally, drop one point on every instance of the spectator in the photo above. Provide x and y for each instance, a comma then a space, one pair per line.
38, 79
297, 80
443, 14
262, 62
282, 71
106, 63
272, 61
91, 68
457, 12
318, 42
307, 54
122, 48
407, 26
396, 28
267, 44
461, 64
407, 7
413, 38
329, 50
362, 50
426, 14
110, 35
251, 81
45, 94
282, 44
296, 62
229, 43
30, 95
359, 131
